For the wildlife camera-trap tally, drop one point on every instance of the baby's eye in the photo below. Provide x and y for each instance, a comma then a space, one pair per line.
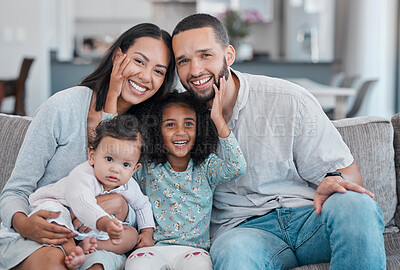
109, 159
126, 164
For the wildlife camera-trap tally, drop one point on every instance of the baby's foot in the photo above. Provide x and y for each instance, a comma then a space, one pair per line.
75, 259
88, 245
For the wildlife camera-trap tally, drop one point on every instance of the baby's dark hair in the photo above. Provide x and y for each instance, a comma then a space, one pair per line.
122, 127
206, 134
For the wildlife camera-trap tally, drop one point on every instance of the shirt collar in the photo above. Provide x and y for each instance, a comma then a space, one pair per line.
242, 97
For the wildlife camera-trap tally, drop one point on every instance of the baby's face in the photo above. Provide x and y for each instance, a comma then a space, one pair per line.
114, 161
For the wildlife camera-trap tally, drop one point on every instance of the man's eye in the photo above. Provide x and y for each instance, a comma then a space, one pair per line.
206, 55
181, 62
126, 165
109, 159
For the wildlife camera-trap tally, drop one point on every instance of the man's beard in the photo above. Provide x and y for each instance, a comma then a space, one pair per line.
224, 72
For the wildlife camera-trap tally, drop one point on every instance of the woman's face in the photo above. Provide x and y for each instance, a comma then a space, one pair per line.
145, 73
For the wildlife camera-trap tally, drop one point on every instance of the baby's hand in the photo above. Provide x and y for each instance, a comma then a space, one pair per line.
145, 238
115, 230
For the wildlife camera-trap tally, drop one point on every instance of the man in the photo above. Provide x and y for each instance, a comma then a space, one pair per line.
271, 218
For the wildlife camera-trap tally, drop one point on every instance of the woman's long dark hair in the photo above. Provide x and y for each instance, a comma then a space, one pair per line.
206, 134
99, 80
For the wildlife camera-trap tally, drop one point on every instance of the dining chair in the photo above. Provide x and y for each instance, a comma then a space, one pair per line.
16, 87
362, 92
350, 81
337, 79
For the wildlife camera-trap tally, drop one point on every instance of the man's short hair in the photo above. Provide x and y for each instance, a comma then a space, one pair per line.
200, 20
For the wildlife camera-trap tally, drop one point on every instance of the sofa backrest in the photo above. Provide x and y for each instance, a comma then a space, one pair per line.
12, 133
370, 140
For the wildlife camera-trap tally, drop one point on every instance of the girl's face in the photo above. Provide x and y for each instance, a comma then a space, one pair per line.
114, 161
178, 130
149, 60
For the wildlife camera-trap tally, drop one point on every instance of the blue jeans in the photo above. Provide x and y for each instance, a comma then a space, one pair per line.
347, 233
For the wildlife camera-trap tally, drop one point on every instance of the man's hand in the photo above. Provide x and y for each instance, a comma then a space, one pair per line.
39, 230
145, 238
333, 184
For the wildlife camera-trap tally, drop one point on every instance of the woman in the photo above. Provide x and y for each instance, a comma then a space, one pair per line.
138, 67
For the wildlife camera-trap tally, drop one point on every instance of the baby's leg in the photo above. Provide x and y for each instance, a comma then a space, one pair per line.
75, 256
129, 241
88, 245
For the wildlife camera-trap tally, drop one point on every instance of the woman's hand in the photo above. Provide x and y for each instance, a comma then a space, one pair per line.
145, 238
39, 230
216, 109
117, 79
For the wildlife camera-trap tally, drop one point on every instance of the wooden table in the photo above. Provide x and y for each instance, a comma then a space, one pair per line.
340, 94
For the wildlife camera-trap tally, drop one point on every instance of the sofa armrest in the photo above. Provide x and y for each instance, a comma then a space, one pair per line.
370, 139
12, 133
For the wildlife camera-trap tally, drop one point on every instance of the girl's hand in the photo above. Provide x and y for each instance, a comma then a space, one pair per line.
39, 230
145, 238
117, 80
216, 109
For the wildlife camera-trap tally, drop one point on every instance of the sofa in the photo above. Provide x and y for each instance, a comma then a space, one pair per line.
373, 141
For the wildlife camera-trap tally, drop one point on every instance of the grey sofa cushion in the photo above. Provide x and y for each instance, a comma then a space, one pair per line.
370, 140
12, 133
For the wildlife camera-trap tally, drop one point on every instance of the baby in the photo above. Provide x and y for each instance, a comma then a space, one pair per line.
113, 156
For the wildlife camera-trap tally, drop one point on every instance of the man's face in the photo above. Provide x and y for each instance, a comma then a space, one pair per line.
200, 61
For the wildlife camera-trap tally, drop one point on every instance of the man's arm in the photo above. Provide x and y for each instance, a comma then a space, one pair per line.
352, 180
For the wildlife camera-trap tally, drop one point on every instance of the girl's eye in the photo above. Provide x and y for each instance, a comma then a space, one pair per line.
109, 159
169, 124
126, 165
189, 124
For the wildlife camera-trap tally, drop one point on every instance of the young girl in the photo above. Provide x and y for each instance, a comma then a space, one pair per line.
113, 156
180, 180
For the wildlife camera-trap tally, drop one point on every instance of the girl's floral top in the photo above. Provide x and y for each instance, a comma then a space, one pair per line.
182, 201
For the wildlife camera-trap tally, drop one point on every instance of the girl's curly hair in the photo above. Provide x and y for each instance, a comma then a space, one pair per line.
206, 133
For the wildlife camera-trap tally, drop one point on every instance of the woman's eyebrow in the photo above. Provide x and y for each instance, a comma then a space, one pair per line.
147, 59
